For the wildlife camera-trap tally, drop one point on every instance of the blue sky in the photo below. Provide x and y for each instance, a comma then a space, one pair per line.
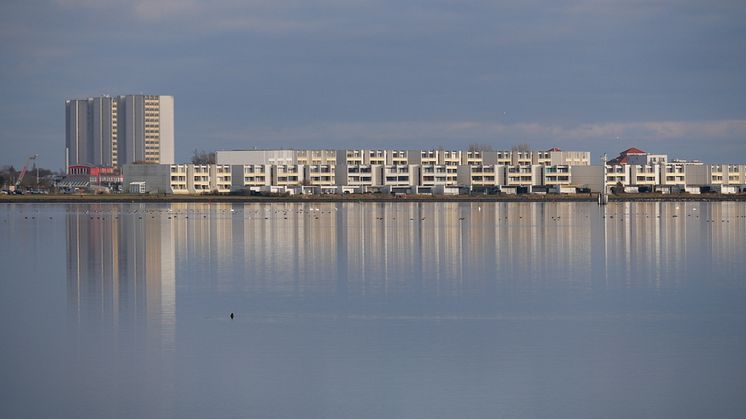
665, 76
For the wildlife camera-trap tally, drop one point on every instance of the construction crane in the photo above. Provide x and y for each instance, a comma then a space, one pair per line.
24, 171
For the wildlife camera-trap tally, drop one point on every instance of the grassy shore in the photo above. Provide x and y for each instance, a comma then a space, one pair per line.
118, 198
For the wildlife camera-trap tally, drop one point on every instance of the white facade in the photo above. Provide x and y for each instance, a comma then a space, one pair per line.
114, 131
523, 175
557, 175
364, 176
320, 175
288, 175
480, 176
400, 175
250, 176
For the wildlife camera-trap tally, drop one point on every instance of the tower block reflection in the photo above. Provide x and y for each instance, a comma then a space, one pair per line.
120, 270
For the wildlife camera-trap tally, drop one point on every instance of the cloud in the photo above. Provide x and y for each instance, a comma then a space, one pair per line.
159, 9
458, 133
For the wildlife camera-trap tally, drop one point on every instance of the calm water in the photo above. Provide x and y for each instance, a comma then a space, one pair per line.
432, 310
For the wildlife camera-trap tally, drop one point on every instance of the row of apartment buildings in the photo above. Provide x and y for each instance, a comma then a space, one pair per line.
382, 157
352, 176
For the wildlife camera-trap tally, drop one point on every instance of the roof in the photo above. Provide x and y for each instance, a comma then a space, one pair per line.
554, 149
618, 160
622, 157
632, 150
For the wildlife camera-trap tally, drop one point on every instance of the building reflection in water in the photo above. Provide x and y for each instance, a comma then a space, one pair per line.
120, 270
123, 261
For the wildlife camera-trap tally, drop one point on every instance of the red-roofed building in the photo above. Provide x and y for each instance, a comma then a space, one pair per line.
85, 176
631, 155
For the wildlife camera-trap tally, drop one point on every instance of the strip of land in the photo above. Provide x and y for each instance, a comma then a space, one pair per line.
122, 198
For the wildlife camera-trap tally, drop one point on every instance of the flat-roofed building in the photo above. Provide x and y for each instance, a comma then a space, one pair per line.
221, 178
255, 157
199, 178
523, 175
397, 157
433, 174
288, 175
400, 175
472, 158
350, 157
557, 175
363, 176
145, 129
647, 175
178, 182
673, 174
320, 175
618, 175
248, 176
117, 130
480, 176
315, 157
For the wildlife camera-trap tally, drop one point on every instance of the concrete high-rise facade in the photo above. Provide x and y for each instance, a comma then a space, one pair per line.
113, 131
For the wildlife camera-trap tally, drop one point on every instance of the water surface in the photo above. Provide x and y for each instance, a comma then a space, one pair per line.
369, 310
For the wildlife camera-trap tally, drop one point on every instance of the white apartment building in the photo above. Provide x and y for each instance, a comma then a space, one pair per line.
288, 175
472, 158
673, 174
256, 157
365, 177
221, 178
433, 174
557, 175
114, 131
353, 157
179, 178
315, 157
403, 175
397, 157
199, 178
618, 174
322, 175
481, 176
523, 175
178, 184
250, 176
91, 131
645, 175
716, 174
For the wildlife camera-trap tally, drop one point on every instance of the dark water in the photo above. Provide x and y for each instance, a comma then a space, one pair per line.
433, 310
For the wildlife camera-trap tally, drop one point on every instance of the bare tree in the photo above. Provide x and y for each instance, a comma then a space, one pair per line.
203, 157
480, 147
521, 147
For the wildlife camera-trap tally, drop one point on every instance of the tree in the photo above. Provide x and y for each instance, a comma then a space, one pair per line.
203, 157
480, 147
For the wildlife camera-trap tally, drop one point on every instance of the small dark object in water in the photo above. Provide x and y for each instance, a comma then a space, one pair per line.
232, 316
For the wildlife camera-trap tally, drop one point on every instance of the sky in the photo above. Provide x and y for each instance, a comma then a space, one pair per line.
666, 76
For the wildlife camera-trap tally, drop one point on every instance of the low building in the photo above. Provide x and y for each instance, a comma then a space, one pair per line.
250, 177
523, 175
480, 176
364, 177
405, 175
288, 175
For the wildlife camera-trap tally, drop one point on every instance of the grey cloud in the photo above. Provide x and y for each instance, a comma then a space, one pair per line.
572, 72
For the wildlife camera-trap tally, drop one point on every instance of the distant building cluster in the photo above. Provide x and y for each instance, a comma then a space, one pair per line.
135, 133
113, 131
431, 172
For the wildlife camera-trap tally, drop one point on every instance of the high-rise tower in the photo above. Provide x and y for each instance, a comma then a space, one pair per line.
112, 131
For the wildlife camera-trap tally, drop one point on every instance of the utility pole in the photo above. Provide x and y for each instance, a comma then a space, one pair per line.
603, 197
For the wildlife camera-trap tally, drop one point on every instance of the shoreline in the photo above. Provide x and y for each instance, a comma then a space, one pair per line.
133, 198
